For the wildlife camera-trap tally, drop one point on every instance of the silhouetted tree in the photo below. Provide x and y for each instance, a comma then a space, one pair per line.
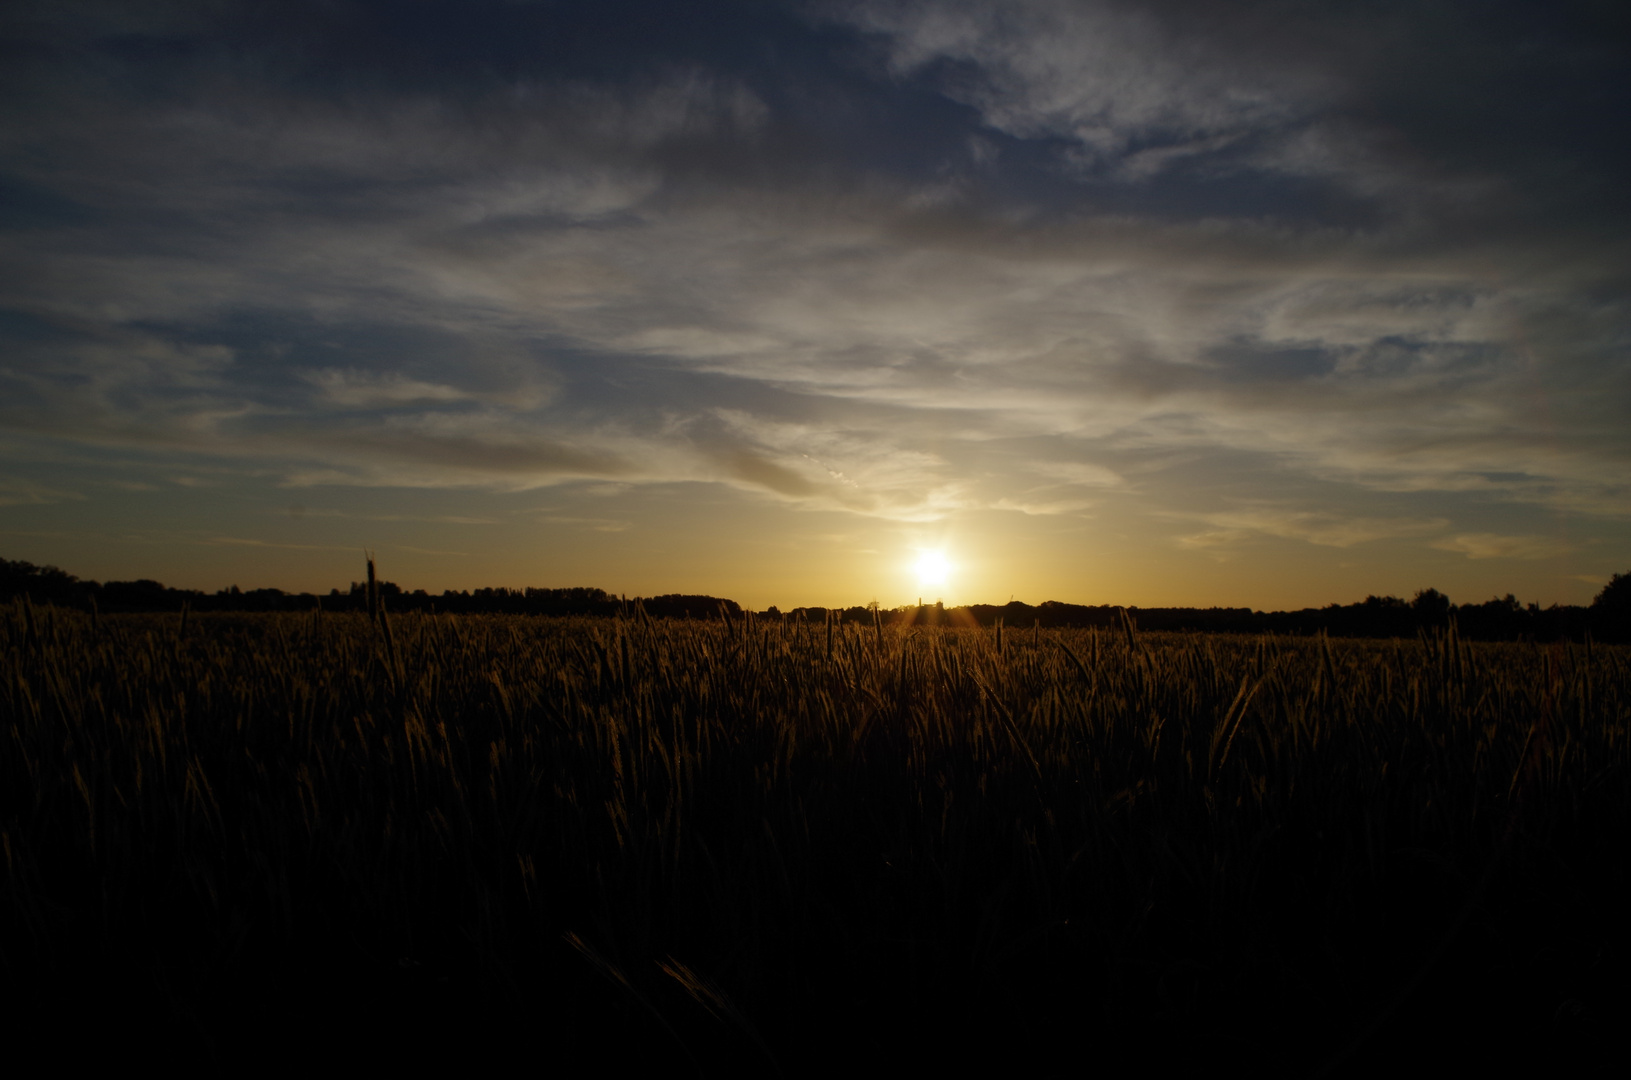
1431, 606
1616, 595
1611, 609
41, 583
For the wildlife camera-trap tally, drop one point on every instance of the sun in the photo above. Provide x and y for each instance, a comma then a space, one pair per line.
933, 569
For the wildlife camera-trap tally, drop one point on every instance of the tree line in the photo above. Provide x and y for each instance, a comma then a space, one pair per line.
1607, 618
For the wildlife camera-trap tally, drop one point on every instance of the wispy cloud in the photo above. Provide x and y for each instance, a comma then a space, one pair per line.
431, 519
360, 390
28, 493
1324, 529
1036, 504
591, 524
1493, 546
1106, 77
241, 541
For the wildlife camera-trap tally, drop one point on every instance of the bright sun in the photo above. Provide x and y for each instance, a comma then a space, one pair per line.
933, 568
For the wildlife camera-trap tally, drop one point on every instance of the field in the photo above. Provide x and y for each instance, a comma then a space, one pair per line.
712, 845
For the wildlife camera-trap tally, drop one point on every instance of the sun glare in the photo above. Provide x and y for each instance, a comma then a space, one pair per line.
933, 569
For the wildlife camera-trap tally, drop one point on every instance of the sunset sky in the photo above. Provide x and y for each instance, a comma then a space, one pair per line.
1268, 304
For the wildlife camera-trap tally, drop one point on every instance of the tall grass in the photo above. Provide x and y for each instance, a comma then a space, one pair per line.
774, 844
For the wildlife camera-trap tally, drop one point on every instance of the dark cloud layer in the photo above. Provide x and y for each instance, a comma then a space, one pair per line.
906, 260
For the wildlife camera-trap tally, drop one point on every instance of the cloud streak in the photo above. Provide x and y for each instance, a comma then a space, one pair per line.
1493, 546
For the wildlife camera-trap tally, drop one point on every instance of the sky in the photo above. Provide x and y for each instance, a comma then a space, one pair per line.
1269, 304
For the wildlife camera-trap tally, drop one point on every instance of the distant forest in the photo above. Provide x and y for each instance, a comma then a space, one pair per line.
1608, 618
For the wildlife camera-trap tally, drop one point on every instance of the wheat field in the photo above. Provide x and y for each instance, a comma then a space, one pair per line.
739, 844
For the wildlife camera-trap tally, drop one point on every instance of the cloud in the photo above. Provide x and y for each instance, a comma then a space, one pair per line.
983, 339
587, 523
750, 467
1322, 528
239, 541
1214, 538
1036, 504
359, 390
420, 450
432, 519
1104, 76
27, 493
1081, 473
1037, 254
1493, 546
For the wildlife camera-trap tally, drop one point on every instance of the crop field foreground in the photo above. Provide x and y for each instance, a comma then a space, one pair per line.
781, 847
